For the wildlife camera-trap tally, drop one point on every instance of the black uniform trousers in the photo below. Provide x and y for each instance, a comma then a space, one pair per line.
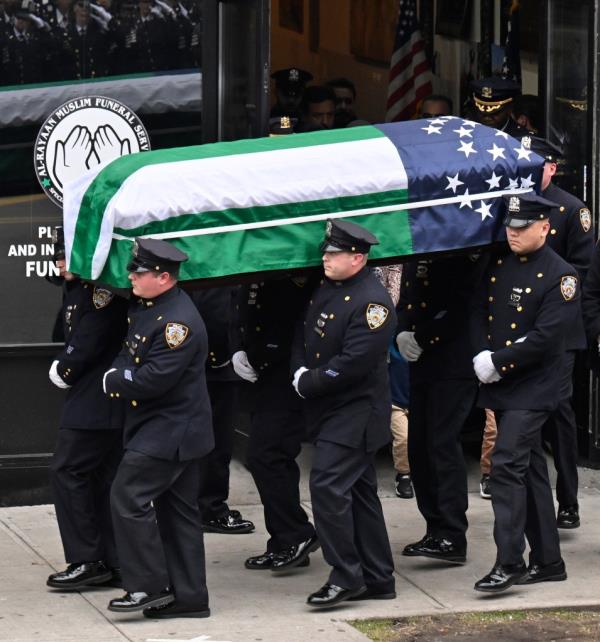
349, 518
214, 468
561, 432
276, 431
82, 469
438, 411
521, 492
157, 527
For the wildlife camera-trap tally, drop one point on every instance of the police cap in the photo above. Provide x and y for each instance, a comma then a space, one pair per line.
548, 151
282, 125
494, 93
153, 255
58, 242
291, 80
344, 236
525, 209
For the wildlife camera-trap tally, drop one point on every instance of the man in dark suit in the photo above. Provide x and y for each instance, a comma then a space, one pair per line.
160, 374
531, 299
339, 363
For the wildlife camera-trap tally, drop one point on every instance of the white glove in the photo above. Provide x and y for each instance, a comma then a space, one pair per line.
408, 346
104, 378
484, 367
55, 378
296, 379
242, 366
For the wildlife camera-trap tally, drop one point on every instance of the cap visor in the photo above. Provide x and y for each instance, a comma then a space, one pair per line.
517, 223
134, 267
327, 247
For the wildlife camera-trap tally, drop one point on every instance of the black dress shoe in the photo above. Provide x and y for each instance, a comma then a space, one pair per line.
265, 561
330, 594
139, 601
441, 549
568, 516
295, 555
411, 549
501, 577
77, 576
173, 609
555, 572
375, 593
232, 523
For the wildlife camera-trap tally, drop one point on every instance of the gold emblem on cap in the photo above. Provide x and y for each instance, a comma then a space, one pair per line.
285, 122
514, 204
486, 92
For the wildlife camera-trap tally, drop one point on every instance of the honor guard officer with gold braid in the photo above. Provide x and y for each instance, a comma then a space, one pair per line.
88, 448
571, 236
492, 104
160, 373
530, 303
339, 363
433, 336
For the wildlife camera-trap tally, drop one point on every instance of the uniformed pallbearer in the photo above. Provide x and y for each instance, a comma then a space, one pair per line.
88, 449
160, 373
340, 367
532, 299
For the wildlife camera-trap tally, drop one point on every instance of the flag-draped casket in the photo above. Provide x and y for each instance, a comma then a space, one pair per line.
258, 205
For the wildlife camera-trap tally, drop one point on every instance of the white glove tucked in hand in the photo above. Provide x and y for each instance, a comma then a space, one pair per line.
408, 346
484, 367
104, 379
242, 366
296, 379
55, 378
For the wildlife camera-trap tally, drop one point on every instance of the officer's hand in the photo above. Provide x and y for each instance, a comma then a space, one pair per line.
296, 379
242, 366
104, 378
484, 367
408, 346
55, 378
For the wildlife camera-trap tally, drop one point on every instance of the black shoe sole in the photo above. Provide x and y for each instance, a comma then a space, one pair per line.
516, 581
219, 531
450, 560
302, 560
159, 601
404, 495
174, 614
568, 526
349, 596
559, 577
75, 586
373, 596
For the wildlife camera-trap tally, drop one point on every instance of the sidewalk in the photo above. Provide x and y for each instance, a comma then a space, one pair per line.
257, 606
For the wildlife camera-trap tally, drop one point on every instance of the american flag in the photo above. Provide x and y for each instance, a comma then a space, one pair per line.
410, 74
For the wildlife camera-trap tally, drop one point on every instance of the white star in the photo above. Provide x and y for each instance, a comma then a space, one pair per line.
513, 183
463, 132
522, 152
484, 210
437, 121
496, 152
467, 148
493, 181
431, 130
503, 134
465, 200
527, 182
470, 123
453, 182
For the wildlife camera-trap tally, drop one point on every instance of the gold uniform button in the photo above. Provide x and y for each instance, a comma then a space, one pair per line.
499, 261
561, 208
437, 338
513, 326
134, 403
490, 299
508, 342
150, 304
332, 316
553, 231
503, 368
318, 354
112, 394
523, 259
528, 290
213, 359
540, 275
490, 318
489, 336
212, 354
409, 306
493, 279
512, 365
347, 298
116, 394
128, 320
520, 308
423, 304
432, 342
144, 339
137, 359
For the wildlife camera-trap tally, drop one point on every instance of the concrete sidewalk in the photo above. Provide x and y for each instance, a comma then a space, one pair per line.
255, 605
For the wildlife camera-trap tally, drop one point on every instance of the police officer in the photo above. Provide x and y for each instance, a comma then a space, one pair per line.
154, 498
340, 369
216, 306
433, 337
268, 314
571, 236
149, 40
532, 298
492, 104
289, 89
88, 449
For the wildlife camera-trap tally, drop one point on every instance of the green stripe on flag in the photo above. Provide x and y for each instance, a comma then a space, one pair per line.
108, 182
259, 250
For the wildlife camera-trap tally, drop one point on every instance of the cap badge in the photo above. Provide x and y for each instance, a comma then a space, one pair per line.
568, 287
294, 75
285, 122
514, 204
486, 92
376, 315
526, 142
175, 334
136, 248
328, 229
